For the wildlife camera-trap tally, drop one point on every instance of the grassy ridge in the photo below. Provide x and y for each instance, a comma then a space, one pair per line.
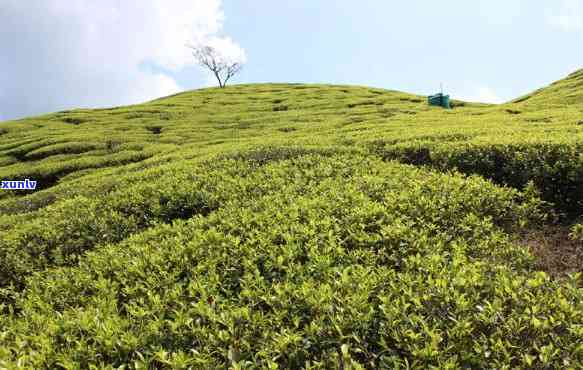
273, 226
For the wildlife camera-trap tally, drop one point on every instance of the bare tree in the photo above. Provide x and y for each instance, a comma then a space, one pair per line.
222, 67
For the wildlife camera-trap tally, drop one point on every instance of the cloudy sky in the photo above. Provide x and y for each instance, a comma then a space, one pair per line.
62, 54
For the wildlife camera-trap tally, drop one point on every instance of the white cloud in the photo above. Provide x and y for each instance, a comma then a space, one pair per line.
487, 95
229, 49
481, 94
141, 89
83, 53
568, 17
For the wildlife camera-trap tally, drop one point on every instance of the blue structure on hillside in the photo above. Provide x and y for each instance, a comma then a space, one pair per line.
439, 100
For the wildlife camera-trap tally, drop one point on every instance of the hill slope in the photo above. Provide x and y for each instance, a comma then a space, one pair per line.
287, 226
568, 91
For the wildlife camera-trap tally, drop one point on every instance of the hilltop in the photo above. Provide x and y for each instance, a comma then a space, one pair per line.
568, 91
293, 225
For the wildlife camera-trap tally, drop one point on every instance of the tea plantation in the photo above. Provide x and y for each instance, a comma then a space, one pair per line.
280, 226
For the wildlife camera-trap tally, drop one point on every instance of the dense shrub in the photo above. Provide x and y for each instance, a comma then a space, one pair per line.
337, 261
577, 232
210, 247
61, 232
62, 148
47, 174
555, 169
262, 155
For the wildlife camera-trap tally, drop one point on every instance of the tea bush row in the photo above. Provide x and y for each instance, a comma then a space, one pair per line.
86, 182
338, 261
47, 174
555, 169
62, 148
59, 233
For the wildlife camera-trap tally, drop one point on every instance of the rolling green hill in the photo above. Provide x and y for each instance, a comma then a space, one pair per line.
295, 226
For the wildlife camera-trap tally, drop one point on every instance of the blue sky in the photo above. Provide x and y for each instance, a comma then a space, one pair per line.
80, 53
508, 47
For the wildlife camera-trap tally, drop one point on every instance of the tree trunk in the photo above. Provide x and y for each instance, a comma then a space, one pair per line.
221, 85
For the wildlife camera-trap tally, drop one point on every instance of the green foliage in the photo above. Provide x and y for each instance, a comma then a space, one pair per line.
335, 259
555, 169
272, 226
577, 232
63, 148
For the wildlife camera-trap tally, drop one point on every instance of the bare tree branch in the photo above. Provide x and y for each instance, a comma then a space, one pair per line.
221, 67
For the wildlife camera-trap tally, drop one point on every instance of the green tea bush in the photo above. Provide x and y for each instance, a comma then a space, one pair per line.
21, 149
62, 148
61, 232
338, 261
47, 174
7, 160
262, 155
555, 169
577, 232
203, 246
89, 182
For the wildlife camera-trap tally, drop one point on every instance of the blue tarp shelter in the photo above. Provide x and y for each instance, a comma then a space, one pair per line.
439, 100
